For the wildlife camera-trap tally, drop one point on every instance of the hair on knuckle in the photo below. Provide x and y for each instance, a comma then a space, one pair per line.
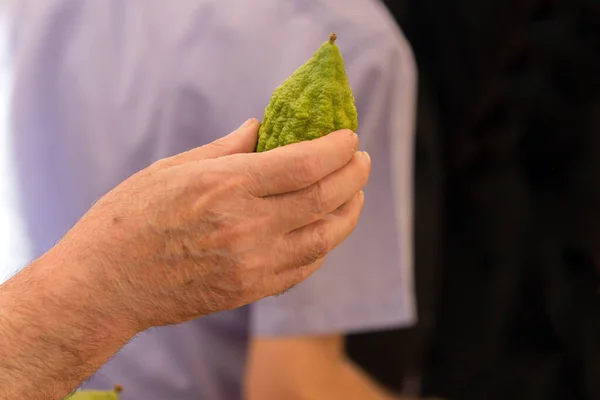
321, 244
308, 257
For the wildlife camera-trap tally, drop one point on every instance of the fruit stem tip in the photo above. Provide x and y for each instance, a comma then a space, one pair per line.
332, 38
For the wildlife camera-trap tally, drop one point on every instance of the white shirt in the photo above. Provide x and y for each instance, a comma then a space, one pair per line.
102, 88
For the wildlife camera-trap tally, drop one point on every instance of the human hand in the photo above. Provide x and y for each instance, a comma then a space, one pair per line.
216, 227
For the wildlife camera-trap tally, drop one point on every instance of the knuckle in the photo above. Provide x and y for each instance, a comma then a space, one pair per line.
252, 180
219, 144
267, 221
322, 243
250, 229
239, 184
317, 199
237, 236
217, 148
302, 273
304, 168
222, 183
163, 163
249, 263
221, 232
318, 248
230, 180
214, 220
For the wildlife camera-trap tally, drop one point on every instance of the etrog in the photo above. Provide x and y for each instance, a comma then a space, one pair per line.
93, 395
314, 101
96, 394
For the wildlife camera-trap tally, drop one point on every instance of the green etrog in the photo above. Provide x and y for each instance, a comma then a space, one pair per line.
314, 101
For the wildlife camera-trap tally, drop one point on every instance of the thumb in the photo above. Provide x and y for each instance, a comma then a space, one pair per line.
242, 140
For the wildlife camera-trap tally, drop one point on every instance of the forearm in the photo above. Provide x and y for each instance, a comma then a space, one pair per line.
53, 334
307, 368
353, 383
340, 381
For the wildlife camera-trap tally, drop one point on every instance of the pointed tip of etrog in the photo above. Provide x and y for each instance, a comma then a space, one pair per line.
332, 38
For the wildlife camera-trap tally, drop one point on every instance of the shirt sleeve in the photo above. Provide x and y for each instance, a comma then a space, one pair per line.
366, 283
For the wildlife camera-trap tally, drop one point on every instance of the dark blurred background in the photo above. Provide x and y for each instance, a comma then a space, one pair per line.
508, 203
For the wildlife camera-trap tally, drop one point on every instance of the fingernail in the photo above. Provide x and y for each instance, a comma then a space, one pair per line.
366, 155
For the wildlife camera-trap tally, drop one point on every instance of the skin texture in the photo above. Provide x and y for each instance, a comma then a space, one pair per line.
308, 368
314, 101
208, 230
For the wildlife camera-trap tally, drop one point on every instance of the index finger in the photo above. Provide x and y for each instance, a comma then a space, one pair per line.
299, 165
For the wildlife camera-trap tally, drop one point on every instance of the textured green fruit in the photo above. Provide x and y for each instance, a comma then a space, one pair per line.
93, 395
314, 101
96, 394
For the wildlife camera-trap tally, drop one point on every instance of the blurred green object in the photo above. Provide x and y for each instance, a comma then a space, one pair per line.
96, 394
93, 395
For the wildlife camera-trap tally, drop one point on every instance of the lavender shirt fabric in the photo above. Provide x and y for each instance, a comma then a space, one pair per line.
102, 88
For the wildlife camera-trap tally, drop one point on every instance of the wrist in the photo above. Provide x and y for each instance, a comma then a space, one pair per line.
77, 287
53, 329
